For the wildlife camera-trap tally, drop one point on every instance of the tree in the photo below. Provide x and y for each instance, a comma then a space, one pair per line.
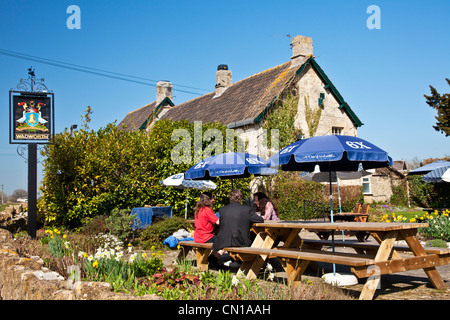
442, 104
17, 194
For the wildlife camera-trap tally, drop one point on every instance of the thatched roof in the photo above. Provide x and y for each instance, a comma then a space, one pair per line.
243, 102
244, 99
134, 120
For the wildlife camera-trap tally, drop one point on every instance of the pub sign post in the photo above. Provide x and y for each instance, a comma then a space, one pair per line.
31, 114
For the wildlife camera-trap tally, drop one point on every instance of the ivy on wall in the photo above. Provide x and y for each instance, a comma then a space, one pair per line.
312, 117
282, 117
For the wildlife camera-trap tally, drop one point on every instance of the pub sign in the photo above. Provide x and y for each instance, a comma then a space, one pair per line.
31, 117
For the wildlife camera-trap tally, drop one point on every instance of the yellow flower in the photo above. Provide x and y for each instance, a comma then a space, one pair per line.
144, 255
95, 264
64, 236
178, 247
152, 248
412, 220
388, 221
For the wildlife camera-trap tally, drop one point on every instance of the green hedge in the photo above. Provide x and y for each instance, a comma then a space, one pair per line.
300, 199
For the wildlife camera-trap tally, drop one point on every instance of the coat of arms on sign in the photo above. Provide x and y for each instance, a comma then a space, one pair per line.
31, 119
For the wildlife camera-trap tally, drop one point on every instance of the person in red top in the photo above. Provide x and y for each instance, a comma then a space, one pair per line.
204, 219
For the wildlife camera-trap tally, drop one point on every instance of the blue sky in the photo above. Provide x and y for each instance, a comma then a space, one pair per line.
381, 73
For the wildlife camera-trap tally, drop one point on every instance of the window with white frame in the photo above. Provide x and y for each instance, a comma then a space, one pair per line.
366, 185
337, 131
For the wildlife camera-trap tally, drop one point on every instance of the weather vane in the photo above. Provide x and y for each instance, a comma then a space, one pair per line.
32, 84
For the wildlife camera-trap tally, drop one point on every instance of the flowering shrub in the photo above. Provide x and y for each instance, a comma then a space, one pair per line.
57, 243
110, 262
110, 265
438, 224
439, 227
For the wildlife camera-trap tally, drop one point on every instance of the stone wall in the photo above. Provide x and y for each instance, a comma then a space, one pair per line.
309, 87
26, 278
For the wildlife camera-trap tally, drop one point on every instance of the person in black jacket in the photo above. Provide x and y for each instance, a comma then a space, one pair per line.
235, 220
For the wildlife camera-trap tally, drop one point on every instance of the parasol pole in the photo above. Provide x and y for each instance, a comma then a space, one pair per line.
185, 208
332, 220
339, 197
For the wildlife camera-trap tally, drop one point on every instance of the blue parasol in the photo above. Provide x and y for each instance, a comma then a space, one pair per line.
331, 153
229, 166
441, 174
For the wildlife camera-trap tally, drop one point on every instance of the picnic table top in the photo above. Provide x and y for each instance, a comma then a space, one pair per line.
360, 226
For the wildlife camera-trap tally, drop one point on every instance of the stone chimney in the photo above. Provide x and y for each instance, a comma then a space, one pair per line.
223, 79
163, 90
302, 47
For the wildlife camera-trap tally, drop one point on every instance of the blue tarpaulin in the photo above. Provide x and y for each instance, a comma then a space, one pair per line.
145, 215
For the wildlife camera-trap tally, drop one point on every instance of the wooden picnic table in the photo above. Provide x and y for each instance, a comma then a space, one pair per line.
282, 239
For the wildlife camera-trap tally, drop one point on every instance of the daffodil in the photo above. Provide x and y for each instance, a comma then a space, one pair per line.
95, 264
235, 281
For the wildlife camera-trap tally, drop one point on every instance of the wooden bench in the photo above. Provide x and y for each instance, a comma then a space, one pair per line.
203, 251
296, 261
368, 248
360, 214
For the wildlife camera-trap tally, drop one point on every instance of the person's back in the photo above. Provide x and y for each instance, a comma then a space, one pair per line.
235, 221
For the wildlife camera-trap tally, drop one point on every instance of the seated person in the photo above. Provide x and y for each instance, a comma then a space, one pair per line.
265, 207
205, 219
235, 221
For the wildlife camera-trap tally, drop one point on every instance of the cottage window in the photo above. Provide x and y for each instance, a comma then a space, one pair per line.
321, 98
337, 131
366, 185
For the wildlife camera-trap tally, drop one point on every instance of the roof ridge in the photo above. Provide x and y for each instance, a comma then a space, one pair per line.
141, 108
261, 72
235, 83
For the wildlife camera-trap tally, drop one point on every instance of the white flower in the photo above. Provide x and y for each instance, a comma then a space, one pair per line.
271, 276
235, 281
240, 274
132, 257
90, 258
269, 267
